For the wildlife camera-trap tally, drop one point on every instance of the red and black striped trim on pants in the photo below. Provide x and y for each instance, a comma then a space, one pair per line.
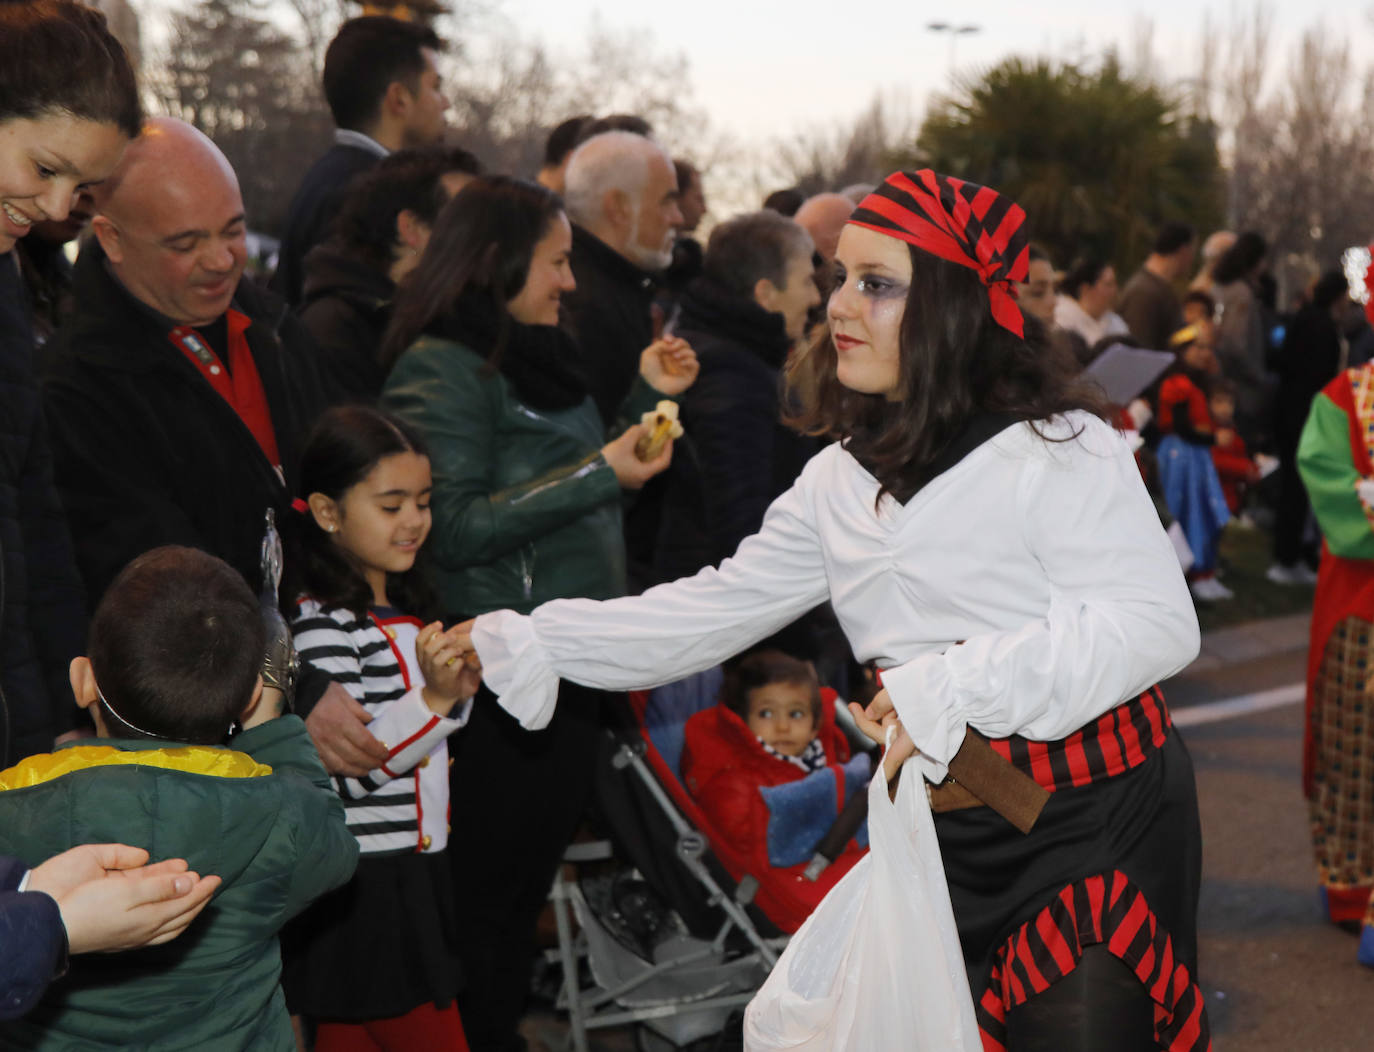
1115, 742
1105, 909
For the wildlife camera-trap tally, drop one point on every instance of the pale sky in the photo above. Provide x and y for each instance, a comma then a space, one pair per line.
766, 68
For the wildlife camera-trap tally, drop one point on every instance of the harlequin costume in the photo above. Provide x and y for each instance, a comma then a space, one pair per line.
1027, 592
1335, 454
737, 781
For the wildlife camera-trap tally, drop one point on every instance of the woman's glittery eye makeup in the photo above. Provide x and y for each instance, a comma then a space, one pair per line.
881, 288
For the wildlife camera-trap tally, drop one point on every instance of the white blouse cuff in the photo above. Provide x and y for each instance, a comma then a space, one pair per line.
515, 667
927, 703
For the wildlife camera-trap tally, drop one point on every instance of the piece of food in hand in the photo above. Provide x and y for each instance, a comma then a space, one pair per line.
663, 426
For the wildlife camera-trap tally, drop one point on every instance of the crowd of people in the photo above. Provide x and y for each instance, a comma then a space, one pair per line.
417, 457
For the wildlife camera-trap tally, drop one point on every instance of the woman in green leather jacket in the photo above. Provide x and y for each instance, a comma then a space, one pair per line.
527, 507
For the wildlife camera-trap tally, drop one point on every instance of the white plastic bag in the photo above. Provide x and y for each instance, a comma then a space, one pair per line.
877, 966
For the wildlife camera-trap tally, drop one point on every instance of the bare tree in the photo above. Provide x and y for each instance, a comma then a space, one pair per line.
512, 93
1302, 153
241, 81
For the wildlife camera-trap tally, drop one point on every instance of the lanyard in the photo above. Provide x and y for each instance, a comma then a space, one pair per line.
239, 385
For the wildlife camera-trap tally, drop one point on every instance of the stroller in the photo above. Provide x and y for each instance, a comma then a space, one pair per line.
683, 940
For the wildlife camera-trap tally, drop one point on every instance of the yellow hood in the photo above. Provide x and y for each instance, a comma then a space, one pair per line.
193, 759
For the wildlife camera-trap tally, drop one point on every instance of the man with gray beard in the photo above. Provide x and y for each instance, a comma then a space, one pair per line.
621, 195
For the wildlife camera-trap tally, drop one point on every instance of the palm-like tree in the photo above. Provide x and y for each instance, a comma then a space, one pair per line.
1097, 159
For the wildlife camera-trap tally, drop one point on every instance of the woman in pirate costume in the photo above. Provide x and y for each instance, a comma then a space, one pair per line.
985, 538
1336, 461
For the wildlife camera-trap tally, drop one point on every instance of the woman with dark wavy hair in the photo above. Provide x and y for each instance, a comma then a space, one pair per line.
527, 507
985, 538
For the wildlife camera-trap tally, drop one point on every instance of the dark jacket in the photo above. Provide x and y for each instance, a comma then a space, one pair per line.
34, 941
313, 208
345, 307
526, 509
1306, 362
146, 452
43, 618
611, 314
736, 457
261, 815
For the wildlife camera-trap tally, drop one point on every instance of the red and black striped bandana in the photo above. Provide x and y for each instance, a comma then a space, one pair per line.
965, 223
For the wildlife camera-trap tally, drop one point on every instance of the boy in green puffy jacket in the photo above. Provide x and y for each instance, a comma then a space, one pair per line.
173, 661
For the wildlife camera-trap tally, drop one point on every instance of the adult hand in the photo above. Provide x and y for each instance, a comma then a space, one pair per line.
669, 365
874, 721
630, 471
75, 866
140, 907
338, 727
451, 675
110, 900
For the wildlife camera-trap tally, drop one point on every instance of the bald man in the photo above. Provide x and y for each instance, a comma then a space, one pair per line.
823, 217
177, 391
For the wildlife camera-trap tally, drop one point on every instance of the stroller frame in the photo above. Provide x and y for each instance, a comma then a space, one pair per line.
587, 1007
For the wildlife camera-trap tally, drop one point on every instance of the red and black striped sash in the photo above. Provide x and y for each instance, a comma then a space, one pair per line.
1112, 744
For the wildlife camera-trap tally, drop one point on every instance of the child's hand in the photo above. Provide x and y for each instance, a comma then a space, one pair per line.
449, 677
1225, 435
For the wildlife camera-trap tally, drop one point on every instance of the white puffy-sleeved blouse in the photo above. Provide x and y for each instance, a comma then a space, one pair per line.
1026, 590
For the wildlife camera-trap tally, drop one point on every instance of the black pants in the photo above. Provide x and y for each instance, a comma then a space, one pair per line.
517, 797
1290, 515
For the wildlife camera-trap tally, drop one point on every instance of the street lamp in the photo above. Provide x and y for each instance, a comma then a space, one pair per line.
955, 32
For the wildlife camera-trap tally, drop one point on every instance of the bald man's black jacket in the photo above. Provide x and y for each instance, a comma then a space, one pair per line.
145, 452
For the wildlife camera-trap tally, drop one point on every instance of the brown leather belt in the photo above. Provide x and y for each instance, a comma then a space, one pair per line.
979, 777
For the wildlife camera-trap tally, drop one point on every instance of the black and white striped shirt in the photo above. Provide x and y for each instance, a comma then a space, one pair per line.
402, 805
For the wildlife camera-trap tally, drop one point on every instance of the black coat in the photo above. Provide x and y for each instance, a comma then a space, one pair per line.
1308, 360
313, 208
737, 456
146, 452
43, 622
611, 315
345, 307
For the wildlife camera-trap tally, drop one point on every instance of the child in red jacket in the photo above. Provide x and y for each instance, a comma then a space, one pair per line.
771, 770
1234, 466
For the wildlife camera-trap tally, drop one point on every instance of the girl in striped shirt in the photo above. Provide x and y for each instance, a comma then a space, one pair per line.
374, 964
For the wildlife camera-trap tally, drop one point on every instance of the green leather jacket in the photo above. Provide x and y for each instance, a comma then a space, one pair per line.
526, 509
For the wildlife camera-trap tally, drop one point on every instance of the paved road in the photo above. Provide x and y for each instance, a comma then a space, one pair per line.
1277, 978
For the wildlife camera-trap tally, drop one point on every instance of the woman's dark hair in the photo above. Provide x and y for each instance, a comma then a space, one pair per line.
1240, 259
409, 180
175, 647
345, 444
481, 243
759, 669
1086, 270
59, 57
956, 363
